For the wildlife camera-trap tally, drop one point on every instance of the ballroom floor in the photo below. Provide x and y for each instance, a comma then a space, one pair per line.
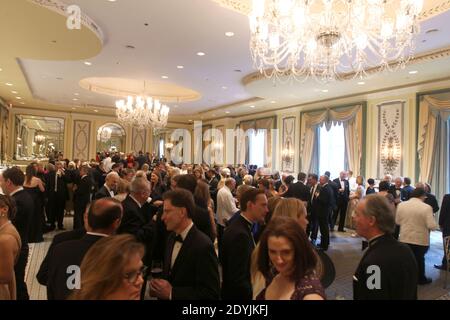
345, 251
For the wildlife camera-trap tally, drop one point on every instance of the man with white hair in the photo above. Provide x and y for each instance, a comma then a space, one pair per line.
110, 186
226, 207
224, 173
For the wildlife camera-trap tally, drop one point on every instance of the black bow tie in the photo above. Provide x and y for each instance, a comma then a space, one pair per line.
178, 238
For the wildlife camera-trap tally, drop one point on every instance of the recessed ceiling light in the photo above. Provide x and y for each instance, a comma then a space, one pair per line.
180, 67
229, 34
33, 117
227, 112
22, 103
200, 54
9, 84
75, 99
15, 92
19, 98
224, 88
1, 69
165, 77
73, 108
361, 83
96, 110
88, 63
112, 0
273, 101
325, 90
76, 94
413, 72
252, 107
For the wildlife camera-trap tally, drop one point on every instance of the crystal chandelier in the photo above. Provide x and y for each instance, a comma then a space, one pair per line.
104, 135
328, 38
142, 112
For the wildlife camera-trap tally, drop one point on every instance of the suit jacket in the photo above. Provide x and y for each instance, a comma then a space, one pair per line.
444, 216
344, 196
61, 192
298, 190
202, 221
195, 272
323, 203
398, 271
82, 195
102, 193
63, 255
237, 249
136, 221
42, 275
406, 192
25, 210
432, 201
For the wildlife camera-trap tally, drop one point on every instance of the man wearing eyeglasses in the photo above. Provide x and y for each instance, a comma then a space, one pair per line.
103, 219
190, 269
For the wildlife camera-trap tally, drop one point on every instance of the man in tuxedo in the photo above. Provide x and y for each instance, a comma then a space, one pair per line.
395, 274
190, 265
57, 194
238, 245
444, 224
342, 201
299, 190
111, 182
321, 206
136, 216
11, 182
103, 219
396, 190
81, 197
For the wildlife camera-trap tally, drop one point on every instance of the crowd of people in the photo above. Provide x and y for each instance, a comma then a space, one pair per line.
141, 225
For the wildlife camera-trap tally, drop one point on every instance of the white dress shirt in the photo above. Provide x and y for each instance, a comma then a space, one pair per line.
177, 245
226, 206
416, 220
15, 191
109, 190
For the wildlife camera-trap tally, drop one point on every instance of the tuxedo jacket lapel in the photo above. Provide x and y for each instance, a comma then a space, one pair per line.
168, 255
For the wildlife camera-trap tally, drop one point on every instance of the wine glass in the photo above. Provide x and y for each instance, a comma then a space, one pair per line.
156, 269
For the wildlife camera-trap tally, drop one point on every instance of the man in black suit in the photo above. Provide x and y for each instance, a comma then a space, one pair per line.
76, 234
299, 190
388, 269
444, 224
107, 190
321, 206
342, 201
431, 198
11, 181
190, 265
238, 245
81, 197
57, 194
136, 216
60, 276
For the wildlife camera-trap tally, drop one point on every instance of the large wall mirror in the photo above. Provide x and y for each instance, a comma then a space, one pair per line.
38, 137
111, 138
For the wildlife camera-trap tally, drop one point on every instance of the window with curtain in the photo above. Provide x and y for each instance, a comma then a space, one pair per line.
161, 148
331, 150
257, 141
448, 156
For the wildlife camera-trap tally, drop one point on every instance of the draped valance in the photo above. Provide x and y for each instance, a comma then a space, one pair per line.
350, 117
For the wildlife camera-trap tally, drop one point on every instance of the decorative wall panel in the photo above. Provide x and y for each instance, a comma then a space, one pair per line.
390, 138
138, 140
81, 134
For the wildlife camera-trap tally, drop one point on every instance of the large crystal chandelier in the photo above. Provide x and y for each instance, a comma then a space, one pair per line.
329, 38
142, 112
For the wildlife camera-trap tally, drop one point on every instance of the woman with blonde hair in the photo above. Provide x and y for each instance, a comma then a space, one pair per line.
112, 269
355, 197
10, 245
294, 208
123, 189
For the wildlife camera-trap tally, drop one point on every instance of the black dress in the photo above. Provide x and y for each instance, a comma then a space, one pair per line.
35, 231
